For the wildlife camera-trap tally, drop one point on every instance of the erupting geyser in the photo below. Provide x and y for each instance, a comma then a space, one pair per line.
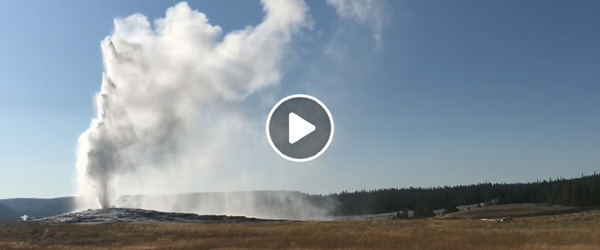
162, 80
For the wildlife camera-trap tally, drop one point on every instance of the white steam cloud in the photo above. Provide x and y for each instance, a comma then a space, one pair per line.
373, 13
165, 93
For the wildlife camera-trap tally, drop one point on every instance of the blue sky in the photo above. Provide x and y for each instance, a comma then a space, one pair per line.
456, 92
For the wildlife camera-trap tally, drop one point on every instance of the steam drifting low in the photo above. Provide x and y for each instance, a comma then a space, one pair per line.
161, 83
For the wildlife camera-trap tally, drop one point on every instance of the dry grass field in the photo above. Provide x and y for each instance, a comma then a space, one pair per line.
573, 231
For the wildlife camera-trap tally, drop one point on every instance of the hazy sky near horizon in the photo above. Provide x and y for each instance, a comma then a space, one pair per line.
423, 93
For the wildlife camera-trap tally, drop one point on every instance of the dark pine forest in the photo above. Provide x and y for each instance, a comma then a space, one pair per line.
576, 192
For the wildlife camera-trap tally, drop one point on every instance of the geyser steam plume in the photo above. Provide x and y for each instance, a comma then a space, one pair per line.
159, 78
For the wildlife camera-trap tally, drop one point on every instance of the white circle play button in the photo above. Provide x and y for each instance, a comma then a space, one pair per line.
299, 128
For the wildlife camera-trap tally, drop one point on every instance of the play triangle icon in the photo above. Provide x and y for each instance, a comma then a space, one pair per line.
299, 128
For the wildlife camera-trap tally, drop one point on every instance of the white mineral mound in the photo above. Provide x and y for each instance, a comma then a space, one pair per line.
131, 215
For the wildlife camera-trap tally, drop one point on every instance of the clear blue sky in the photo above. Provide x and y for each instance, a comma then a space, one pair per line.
457, 92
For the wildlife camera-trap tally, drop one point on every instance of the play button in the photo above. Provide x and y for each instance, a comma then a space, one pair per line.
299, 128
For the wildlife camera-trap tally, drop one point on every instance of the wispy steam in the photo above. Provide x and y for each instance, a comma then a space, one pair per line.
161, 87
373, 13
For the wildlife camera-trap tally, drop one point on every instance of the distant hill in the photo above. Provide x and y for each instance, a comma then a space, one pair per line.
34, 207
7, 214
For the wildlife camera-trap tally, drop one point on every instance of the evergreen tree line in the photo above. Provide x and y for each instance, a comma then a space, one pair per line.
577, 192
